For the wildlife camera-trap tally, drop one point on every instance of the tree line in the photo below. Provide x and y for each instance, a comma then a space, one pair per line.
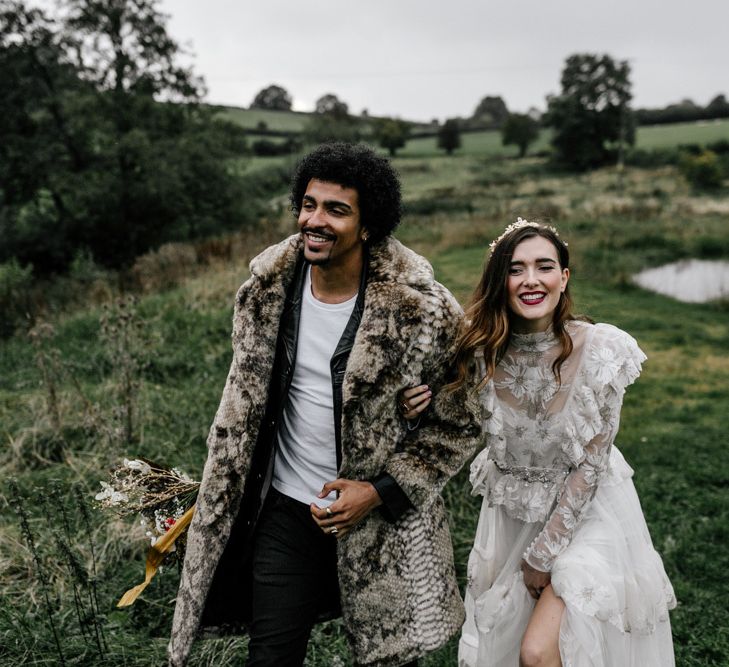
685, 111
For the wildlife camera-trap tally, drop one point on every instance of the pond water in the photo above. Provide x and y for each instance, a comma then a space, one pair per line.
690, 280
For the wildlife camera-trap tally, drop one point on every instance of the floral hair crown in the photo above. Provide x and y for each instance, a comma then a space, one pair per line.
520, 222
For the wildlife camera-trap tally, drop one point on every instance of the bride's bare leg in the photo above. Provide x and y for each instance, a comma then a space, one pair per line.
540, 645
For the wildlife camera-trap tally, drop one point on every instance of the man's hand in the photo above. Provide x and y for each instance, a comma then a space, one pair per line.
356, 500
535, 580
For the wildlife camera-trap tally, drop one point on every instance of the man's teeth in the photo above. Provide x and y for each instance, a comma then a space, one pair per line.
317, 238
532, 297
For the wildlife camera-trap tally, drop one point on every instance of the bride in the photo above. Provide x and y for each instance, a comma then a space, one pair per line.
562, 570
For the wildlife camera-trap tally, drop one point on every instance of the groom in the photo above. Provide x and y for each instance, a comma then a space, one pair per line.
316, 499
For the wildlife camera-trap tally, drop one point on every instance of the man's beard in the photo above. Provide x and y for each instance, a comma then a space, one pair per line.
319, 259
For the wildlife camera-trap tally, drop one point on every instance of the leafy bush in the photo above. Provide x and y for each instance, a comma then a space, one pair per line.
720, 147
164, 268
267, 148
262, 183
438, 204
710, 247
15, 296
703, 171
658, 157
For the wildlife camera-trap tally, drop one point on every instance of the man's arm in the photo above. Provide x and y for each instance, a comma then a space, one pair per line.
428, 456
431, 455
449, 430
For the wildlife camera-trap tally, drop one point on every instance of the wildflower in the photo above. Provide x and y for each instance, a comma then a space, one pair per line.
110, 494
141, 466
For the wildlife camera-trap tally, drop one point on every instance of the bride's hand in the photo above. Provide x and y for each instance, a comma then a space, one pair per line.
535, 580
414, 400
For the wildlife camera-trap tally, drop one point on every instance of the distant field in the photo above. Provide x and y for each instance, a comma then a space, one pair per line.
282, 121
665, 136
488, 143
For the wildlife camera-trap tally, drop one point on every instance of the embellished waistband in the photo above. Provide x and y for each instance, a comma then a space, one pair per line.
532, 474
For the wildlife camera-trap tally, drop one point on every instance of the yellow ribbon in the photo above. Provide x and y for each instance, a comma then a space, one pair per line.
156, 555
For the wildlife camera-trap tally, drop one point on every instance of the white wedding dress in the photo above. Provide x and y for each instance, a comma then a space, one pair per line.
559, 494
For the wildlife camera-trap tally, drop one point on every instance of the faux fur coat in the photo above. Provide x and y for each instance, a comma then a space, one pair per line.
397, 580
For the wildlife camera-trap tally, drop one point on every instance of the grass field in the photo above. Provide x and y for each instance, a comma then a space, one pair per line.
666, 136
673, 430
472, 144
283, 121
647, 138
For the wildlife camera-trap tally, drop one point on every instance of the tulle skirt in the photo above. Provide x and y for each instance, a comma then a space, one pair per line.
611, 579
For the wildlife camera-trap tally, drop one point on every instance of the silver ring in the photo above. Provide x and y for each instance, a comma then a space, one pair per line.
328, 511
404, 407
334, 530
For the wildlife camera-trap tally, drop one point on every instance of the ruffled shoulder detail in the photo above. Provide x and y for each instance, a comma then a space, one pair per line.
611, 362
613, 359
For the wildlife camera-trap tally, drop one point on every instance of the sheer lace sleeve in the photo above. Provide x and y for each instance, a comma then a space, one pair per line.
579, 488
613, 362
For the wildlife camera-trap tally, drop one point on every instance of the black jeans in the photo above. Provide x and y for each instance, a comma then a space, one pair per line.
294, 581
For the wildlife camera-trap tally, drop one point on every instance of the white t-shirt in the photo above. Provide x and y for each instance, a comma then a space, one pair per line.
306, 455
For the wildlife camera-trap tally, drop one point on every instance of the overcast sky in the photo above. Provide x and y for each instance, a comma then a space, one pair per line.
422, 59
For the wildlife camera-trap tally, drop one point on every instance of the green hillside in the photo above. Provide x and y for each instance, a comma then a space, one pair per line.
647, 138
667, 136
486, 143
250, 119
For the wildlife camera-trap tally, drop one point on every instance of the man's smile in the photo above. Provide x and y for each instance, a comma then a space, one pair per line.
318, 236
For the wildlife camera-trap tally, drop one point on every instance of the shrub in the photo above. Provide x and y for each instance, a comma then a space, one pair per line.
720, 147
710, 247
658, 157
267, 148
691, 148
16, 303
164, 268
703, 171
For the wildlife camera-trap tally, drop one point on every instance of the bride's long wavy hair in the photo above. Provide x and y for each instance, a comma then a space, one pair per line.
487, 322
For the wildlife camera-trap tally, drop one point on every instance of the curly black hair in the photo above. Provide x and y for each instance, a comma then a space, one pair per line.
354, 166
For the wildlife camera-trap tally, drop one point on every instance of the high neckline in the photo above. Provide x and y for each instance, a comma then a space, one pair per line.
540, 341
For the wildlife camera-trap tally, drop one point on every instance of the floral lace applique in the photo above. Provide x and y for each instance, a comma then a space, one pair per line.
532, 385
538, 424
